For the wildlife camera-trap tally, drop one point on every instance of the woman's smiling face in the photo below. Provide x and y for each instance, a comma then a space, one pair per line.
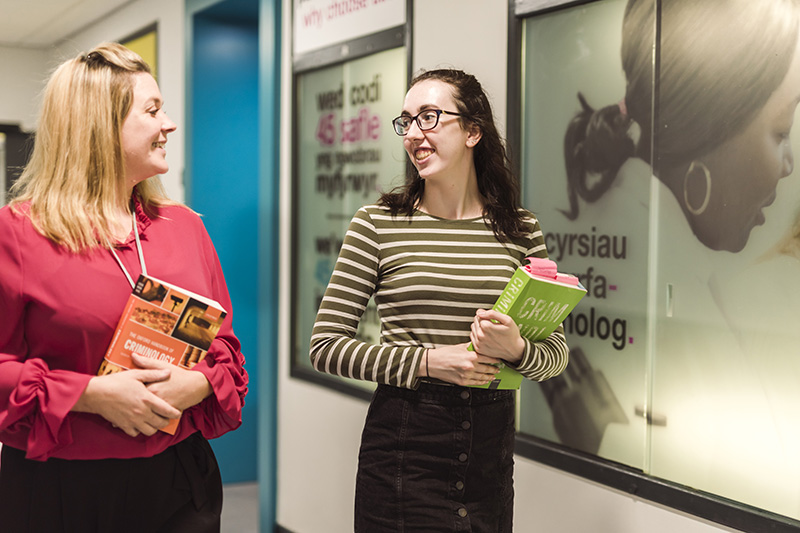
144, 132
445, 149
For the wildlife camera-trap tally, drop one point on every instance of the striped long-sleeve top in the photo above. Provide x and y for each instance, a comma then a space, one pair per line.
428, 276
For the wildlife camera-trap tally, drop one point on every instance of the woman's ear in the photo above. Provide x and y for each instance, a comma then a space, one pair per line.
474, 135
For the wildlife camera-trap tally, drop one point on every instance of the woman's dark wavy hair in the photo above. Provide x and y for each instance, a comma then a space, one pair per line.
496, 182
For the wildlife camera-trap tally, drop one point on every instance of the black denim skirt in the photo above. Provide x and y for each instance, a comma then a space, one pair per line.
437, 459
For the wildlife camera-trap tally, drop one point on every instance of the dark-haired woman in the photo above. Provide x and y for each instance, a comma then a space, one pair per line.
436, 453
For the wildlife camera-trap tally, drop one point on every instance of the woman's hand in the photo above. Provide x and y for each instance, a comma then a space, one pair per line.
122, 398
183, 389
456, 364
496, 334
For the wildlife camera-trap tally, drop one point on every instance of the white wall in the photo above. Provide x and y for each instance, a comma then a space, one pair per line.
23, 72
319, 430
548, 500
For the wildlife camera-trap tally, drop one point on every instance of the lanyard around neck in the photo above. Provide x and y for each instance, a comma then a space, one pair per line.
138, 249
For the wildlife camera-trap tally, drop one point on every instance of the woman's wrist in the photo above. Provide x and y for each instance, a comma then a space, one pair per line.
84, 403
519, 351
201, 388
424, 368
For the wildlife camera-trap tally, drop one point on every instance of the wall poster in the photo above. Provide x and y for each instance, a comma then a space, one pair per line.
145, 43
679, 209
322, 23
347, 154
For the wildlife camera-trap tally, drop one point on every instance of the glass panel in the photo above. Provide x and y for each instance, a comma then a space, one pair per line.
597, 406
347, 153
727, 301
691, 262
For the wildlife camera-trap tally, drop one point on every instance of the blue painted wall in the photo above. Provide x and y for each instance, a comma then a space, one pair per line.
232, 176
224, 186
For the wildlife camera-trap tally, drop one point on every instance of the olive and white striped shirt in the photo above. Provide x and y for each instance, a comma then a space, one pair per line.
428, 276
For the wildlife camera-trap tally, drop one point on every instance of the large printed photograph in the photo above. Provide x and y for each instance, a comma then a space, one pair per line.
657, 153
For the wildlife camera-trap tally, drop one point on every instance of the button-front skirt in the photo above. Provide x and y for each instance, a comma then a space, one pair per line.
437, 459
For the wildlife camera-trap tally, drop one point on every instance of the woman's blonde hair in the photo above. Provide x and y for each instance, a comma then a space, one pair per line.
76, 175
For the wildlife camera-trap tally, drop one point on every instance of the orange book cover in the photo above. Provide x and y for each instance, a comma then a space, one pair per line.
163, 322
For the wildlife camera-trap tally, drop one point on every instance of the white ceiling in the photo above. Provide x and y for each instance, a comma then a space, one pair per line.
41, 23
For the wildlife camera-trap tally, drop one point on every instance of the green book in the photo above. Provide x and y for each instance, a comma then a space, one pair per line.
538, 306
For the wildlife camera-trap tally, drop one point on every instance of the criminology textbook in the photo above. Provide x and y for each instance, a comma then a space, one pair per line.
538, 298
163, 322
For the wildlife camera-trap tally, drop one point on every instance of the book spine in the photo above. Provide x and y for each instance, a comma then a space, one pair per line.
508, 298
507, 301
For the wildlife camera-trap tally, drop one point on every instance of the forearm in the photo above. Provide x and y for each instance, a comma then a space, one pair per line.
545, 359
89, 399
423, 369
197, 389
224, 390
346, 357
514, 351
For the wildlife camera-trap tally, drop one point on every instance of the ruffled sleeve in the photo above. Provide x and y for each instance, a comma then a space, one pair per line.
223, 366
34, 400
39, 404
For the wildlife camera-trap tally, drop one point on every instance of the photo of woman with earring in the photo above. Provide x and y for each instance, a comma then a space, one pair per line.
687, 170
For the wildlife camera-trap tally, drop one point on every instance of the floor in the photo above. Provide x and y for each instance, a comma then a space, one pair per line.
240, 508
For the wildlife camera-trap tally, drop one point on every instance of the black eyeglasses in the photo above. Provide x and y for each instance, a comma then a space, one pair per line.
426, 120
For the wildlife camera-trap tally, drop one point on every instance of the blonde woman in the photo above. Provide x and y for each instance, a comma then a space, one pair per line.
83, 452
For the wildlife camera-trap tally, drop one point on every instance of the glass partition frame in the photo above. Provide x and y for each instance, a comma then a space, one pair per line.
341, 66
605, 401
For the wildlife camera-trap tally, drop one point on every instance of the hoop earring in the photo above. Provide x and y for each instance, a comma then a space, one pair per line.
695, 166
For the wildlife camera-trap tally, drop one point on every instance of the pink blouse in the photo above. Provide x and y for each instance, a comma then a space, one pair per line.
58, 311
